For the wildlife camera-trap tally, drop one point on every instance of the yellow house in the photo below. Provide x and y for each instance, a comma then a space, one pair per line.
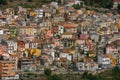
35, 52
92, 54
88, 12
118, 26
32, 13
101, 32
113, 60
71, 51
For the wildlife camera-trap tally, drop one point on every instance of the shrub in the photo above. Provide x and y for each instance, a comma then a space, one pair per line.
47, 72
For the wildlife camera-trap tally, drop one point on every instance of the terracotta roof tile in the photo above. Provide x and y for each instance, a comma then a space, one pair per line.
3, 16
116, 0
69, 25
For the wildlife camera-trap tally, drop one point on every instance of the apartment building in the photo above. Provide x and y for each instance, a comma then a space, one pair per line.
7, 70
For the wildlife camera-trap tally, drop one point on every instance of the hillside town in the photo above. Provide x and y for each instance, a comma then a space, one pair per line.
58, 37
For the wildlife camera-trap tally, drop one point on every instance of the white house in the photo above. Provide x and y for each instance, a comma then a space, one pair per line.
79, 2
66, 55
81, 66
39, 13
12, 46
1, 31
104, 61
60, 29
115, 4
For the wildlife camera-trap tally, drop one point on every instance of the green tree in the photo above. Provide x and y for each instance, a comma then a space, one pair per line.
44, 1
26, 5
47, 72
103, 3
59, 1
3, 42
118, 6
3, 2
91, 77
30, 0
77, 6
116, 73
42, 62
11, 0
92, 2
87, 2
56, 77
84, 75
109, 4
24, 55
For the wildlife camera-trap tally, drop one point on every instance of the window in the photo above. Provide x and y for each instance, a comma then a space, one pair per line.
85, 66
81, 67
4, 73
5, 69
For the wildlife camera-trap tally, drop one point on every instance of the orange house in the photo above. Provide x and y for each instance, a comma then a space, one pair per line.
7, 70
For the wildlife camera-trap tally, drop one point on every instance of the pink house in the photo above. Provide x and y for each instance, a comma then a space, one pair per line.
110, 49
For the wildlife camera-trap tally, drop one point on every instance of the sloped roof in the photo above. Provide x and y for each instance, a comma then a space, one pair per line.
69, 25
116, 0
